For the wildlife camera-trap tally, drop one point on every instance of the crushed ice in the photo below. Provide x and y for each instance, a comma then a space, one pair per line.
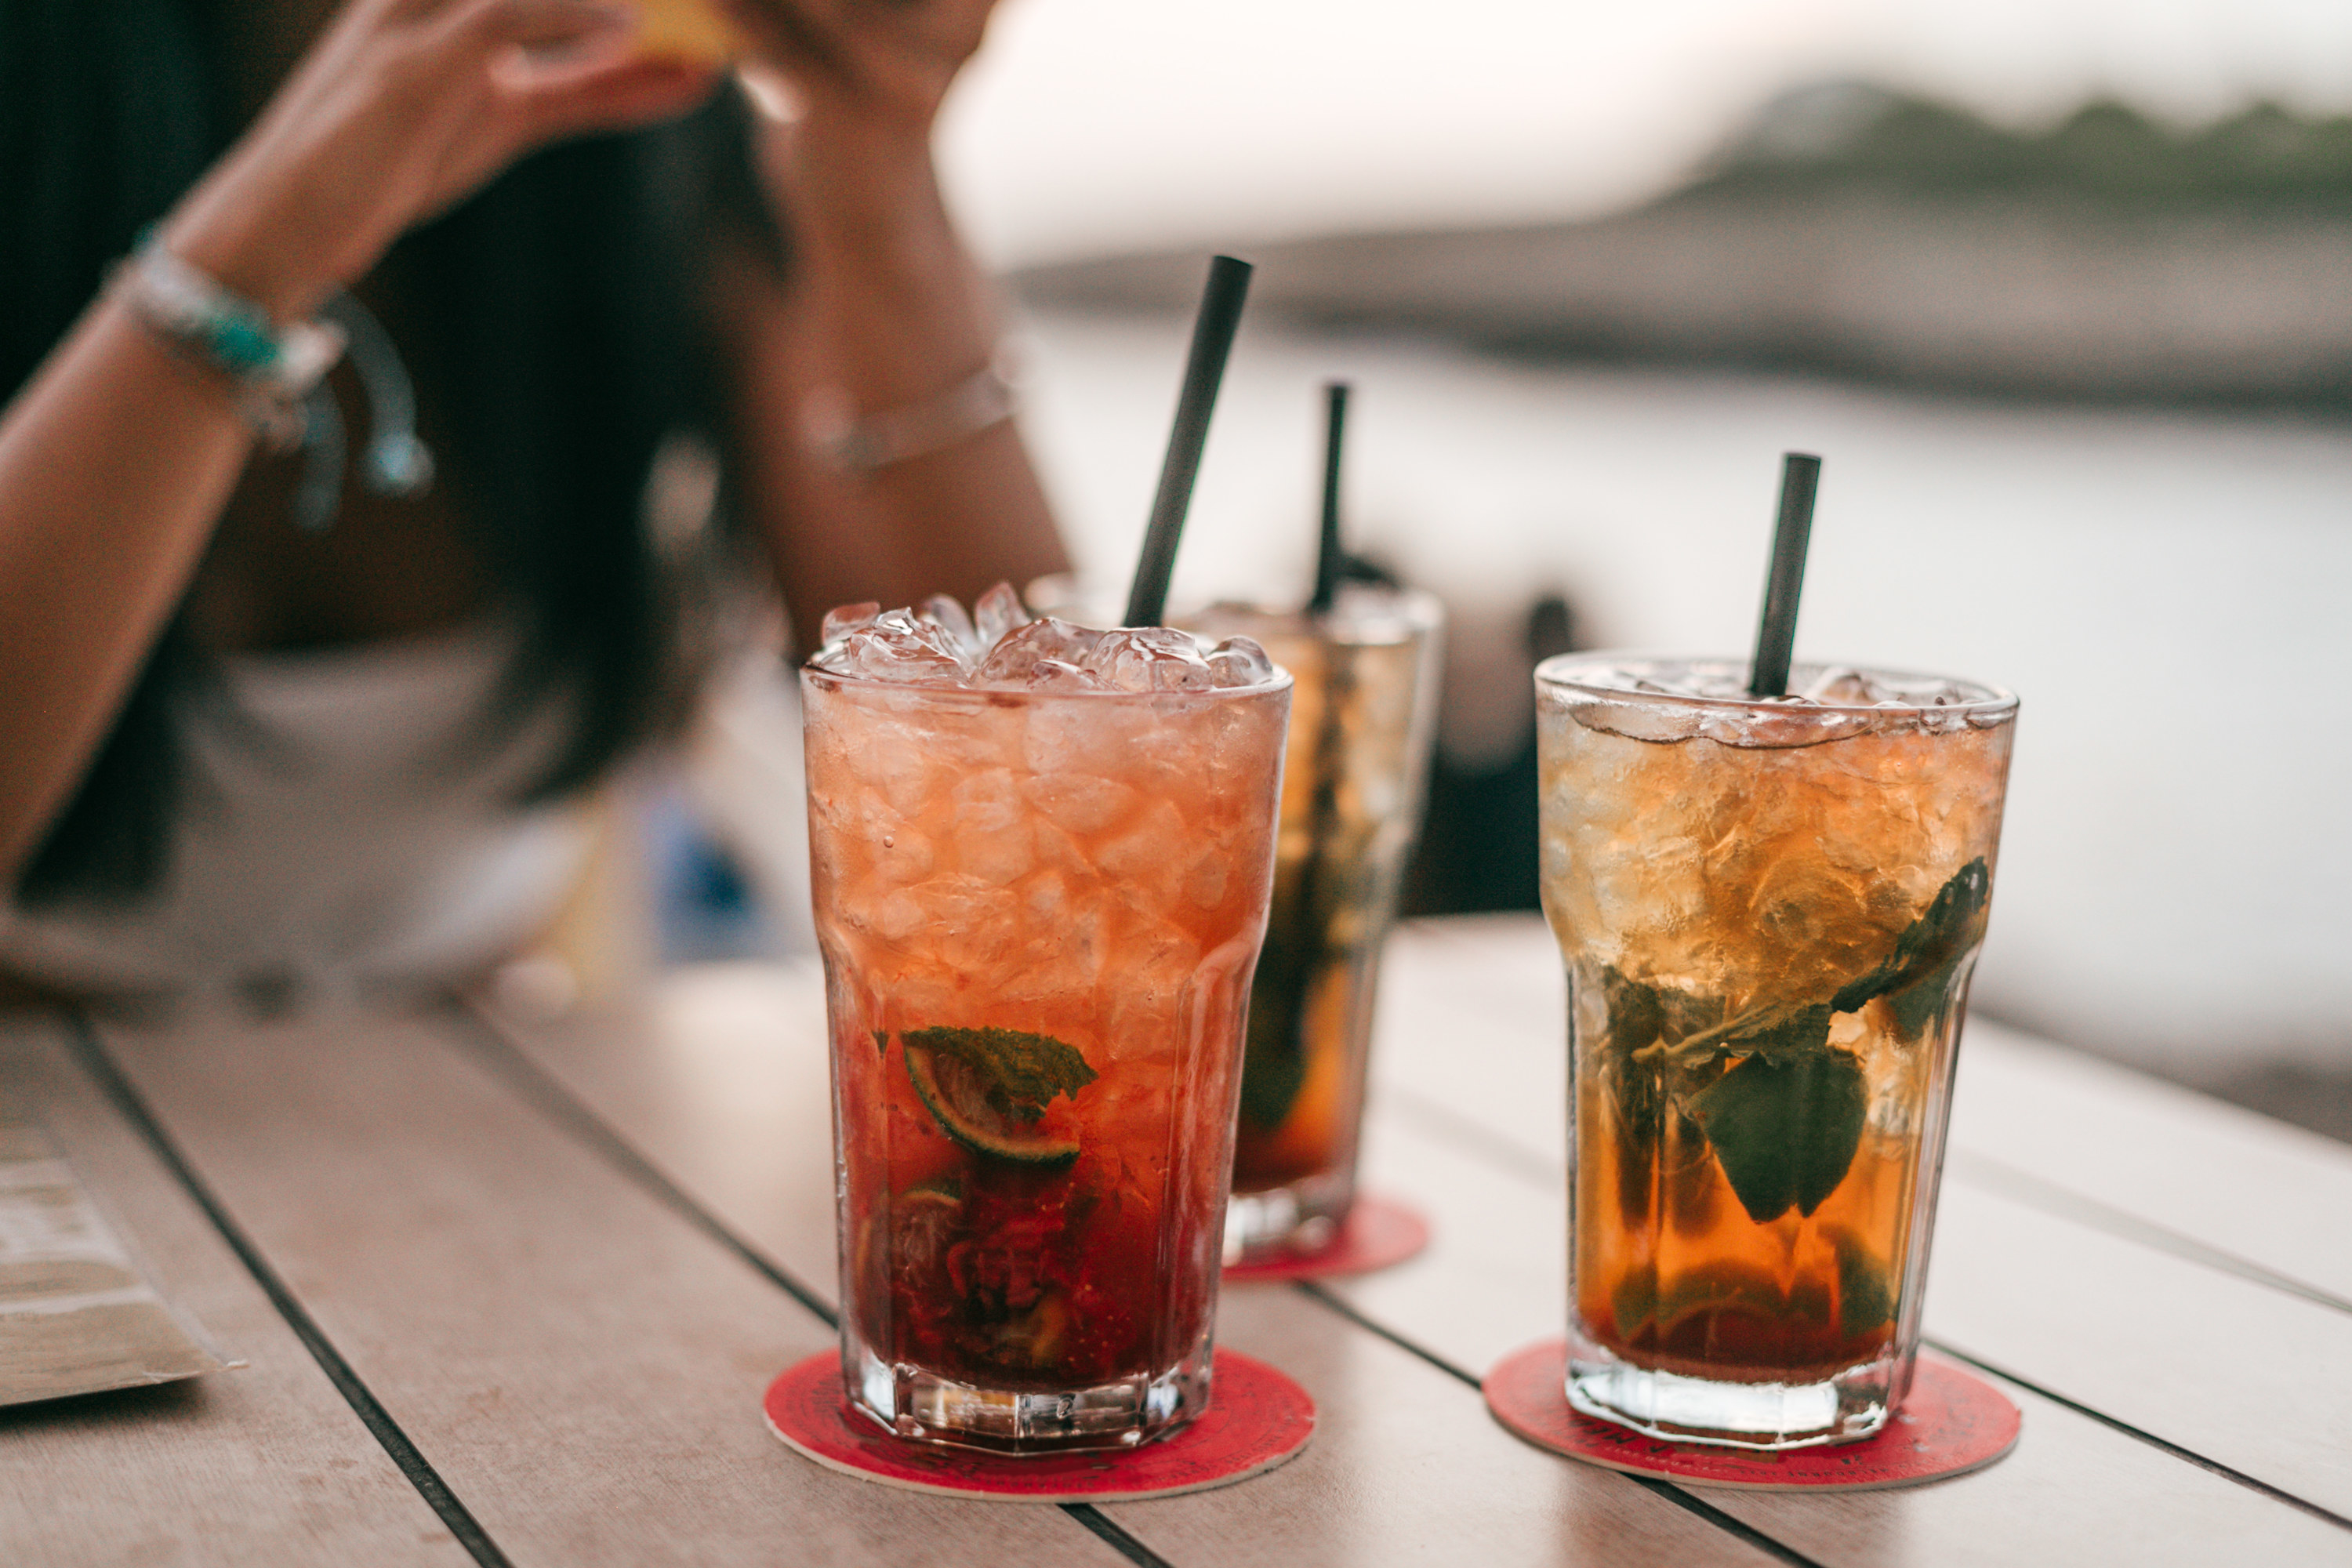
999, 648
1829, 702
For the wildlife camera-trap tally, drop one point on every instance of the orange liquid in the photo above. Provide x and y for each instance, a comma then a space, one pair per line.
1349, 808
1695, 882
1095, 870
1674, 1275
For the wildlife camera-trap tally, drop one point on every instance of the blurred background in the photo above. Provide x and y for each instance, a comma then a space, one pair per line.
2062, 290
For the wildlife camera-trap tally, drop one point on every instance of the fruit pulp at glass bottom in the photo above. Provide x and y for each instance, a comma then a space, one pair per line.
1063, 1273
1674, 1275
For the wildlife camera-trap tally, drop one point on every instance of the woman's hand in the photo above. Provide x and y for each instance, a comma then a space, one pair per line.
888, 63
402, 109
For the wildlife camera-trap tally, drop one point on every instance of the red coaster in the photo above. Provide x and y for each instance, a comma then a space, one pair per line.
1953, 1422
1257, 1420
1378, 1232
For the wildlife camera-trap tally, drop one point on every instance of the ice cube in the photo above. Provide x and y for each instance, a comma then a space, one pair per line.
1017, 654
1081, 803
1150, 659
998, 612
1846, 688
1054, 675
1239, 661
941, 610
898, 648
844, 619
994, 840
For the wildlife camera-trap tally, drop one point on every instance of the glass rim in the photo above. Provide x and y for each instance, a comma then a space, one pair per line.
1013, 697
1553, 673
1407, 610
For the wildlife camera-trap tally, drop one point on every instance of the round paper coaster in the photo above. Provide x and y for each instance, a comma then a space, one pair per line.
1257, 1420
1954, 1421
1378, 1232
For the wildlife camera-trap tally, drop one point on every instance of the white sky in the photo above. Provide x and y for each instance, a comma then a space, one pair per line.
1097, 124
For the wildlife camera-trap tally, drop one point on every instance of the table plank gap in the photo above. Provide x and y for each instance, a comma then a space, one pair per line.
1483, 1211
542, 1091
2186, 1456
723, 1080
1993, 1175
480, 1032
1317, 1293
1668, 1490
1115, 1535
91, 1053
1444, 1124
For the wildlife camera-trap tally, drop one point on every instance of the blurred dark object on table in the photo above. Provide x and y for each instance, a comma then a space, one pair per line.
1478, 848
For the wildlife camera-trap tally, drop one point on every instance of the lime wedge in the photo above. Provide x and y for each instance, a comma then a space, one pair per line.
957, 1095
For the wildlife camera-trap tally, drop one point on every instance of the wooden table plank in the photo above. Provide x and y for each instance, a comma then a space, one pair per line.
2244, 1185
582, 1365
2075, 1490
725, 1089
1408, 1467
2090, 1308
2251, 1376
1469, 1003
262, 1465
1473, 1021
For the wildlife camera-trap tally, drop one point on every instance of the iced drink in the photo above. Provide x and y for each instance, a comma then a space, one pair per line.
1041, 857
1361, 721
1769, 913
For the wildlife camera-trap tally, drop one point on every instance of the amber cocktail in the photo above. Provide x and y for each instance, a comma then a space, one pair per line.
1361, 722
1769, 911
1041, 857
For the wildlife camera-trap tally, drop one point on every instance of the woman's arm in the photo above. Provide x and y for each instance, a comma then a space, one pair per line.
884, 312
117, 457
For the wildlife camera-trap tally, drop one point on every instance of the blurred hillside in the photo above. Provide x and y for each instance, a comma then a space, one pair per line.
1859, 231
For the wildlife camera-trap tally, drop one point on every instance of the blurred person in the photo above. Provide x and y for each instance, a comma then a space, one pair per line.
302, 675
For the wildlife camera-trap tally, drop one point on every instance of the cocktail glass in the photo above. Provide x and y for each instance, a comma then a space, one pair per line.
1040, 870
1361, 719
1769, 911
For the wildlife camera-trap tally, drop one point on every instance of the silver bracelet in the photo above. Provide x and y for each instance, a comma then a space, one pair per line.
274, 368
982, 399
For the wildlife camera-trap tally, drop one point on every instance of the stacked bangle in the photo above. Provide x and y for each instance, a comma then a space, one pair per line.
273, 367
982, 399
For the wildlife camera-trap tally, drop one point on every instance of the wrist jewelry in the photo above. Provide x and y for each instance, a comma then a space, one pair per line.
273, 368
980, 400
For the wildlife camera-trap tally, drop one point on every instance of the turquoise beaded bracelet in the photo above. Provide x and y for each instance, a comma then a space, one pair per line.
273, 367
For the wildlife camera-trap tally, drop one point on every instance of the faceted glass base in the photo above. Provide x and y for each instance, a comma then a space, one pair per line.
1288, 1221
1769, 1417
925, 1407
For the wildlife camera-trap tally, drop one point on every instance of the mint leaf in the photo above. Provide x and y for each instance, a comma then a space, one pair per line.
1023, 1071
882, 1041
1919, 1004
1953, 922
1636, 1018
1637, 1013
1776, 1027
1786, 1119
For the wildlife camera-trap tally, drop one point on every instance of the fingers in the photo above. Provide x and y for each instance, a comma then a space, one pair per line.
794, 35
484, 28
637, 92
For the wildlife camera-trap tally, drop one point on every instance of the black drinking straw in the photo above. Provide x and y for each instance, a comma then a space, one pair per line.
1204, 369
1776, 636
1326, 555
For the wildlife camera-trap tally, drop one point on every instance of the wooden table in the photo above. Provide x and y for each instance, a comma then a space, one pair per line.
512, 1292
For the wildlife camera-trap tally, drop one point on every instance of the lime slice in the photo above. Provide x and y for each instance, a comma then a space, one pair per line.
956, 1093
